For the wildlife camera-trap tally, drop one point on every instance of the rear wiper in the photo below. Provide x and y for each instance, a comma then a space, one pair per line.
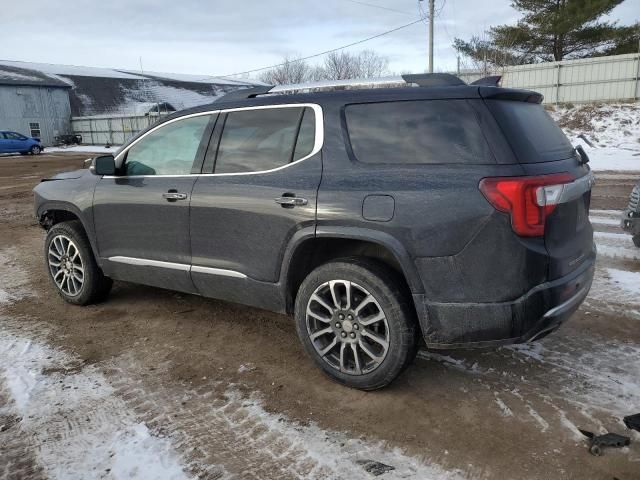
583, 158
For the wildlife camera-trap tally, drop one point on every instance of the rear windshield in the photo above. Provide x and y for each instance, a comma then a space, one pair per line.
531, 132
417, 132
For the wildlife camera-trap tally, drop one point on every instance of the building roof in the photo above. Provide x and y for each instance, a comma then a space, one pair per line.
12, 75
106, 91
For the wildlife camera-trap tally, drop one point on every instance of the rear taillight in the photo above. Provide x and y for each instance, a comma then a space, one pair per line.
529, 200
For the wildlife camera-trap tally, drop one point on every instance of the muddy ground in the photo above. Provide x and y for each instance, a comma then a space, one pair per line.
194, 370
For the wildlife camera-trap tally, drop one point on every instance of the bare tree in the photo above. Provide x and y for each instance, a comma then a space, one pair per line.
372, 65
292, 70
336, 66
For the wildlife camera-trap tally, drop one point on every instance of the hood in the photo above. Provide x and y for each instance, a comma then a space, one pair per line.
68, 175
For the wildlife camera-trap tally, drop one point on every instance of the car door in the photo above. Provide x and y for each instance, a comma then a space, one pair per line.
266, 169
142, 215
4, 143
11, 142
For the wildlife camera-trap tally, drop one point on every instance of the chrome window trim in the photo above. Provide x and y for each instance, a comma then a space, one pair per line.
319, 140
183, 267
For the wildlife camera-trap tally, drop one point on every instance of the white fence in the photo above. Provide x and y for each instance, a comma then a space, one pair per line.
598, 79
109, 129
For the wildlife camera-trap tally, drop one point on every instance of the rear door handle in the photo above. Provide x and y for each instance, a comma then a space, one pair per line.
174, 196
291, 201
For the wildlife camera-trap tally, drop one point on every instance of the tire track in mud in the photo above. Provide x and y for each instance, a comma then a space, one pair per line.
215, 425
17, 450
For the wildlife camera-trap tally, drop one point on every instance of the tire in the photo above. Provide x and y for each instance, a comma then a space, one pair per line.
71, 266
636, 240
375, 294
35, 150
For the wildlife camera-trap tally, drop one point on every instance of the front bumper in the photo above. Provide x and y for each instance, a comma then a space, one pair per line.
537, 313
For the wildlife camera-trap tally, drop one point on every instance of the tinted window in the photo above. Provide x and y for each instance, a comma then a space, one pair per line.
258, 140
307, 135
14, 136
531, 132
417, 132
170, 150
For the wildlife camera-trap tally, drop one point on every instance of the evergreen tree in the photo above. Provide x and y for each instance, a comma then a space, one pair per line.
553, 30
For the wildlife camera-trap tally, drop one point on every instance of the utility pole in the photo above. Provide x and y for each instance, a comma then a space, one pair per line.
431, 9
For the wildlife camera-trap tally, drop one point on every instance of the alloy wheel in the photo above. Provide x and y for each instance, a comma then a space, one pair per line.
65, 265
347, 327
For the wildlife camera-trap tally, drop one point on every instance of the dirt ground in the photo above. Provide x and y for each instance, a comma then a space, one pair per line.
197, 371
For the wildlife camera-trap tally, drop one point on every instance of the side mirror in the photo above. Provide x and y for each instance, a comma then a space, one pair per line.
104, 165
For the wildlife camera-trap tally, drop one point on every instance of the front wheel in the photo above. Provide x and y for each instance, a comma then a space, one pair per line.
356, 322
71, 265
35, 150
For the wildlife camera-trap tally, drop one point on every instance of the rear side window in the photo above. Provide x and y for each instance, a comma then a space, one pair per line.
417, 132
531, 132
264, 139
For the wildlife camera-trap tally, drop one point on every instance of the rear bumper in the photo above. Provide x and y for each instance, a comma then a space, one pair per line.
631, 222
537, 313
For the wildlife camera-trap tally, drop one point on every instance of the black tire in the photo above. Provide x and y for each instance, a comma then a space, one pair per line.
94, 286
636, 240
385, 286
35, 150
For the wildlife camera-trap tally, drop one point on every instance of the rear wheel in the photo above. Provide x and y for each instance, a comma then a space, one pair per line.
636, 240
356, 323
35, 150
71, 265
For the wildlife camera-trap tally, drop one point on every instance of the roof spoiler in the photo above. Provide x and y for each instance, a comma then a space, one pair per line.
433, 79
490, 81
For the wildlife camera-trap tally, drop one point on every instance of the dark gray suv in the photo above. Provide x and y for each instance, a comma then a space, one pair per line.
376, 216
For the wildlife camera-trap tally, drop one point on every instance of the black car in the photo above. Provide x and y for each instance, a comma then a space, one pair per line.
631, 216
376, 216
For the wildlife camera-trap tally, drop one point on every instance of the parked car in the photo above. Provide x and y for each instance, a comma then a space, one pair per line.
452, 212
631, 216
13, 142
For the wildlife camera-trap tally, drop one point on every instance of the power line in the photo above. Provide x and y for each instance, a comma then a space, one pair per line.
315, 55
379, 6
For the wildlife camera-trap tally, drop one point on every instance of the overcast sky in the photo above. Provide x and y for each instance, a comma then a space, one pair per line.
220, 37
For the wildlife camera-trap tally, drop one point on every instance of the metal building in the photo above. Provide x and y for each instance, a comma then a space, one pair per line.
34, 104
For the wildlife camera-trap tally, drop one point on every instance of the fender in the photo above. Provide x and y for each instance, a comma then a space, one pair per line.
51, 205
354, 233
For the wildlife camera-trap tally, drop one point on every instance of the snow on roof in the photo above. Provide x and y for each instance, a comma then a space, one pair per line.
106, 91
11, 75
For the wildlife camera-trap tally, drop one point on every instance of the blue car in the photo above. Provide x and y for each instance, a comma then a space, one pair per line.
12, 142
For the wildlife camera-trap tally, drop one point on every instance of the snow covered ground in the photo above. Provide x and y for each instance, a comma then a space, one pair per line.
610, 133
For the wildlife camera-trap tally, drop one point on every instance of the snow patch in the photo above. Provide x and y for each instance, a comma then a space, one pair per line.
505, 411
628, 281
13, 278
81, 430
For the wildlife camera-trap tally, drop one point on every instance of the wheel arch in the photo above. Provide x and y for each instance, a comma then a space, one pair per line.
52, 213
307, 251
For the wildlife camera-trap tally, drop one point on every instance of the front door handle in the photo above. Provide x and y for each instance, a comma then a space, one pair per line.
172, 196
290, 202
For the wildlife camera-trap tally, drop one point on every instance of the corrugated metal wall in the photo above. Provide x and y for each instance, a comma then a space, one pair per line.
47, 106
112, 130
599, 79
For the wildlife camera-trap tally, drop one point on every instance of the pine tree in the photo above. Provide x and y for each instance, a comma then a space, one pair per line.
553, 30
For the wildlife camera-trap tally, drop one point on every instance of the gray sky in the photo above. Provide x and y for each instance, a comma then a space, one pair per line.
220, 37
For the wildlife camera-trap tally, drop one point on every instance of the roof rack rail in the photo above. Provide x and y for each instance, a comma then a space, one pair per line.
490, 81
421, 80
245, 93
